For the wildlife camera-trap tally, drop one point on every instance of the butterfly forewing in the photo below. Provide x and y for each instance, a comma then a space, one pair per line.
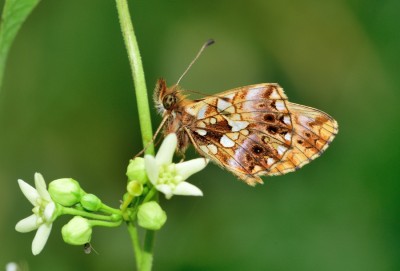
247, 130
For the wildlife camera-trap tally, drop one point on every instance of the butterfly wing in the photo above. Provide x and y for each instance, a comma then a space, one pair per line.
254, 131
313, 131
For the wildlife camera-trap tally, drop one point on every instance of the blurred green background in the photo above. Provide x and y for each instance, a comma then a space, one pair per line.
67, 109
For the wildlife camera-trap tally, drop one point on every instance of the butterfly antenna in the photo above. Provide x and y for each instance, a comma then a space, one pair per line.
205, 45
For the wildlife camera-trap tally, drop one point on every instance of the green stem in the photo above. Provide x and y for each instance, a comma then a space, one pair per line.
144, 259
150, 194
147, 255
105, 223
135, 243
138, 75
110, 210
126, 203
72, 211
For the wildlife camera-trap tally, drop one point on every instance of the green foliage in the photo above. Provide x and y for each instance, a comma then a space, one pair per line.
14, 14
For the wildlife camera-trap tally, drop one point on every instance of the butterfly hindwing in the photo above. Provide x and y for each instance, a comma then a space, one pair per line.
254, 131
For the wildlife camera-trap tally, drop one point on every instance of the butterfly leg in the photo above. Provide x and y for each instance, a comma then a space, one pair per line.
153, 138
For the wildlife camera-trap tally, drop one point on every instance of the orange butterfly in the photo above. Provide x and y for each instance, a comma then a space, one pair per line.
251, 131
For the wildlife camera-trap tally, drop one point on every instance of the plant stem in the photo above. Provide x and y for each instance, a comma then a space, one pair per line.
150, 195
138, 75
135, 243
105, 223
72, 211
147, 255
110, 210
144, 259
126, 203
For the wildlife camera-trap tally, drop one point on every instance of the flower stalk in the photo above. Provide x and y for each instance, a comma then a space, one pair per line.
135, 61
139, 81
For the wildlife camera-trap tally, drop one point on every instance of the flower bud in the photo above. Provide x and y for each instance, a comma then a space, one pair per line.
136, 170
134, 188
91, 202
77, 231
151, 216
66, 191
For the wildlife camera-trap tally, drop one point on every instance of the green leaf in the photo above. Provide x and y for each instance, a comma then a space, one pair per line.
14, 14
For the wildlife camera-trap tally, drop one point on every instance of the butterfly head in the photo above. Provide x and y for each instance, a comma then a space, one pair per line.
166, 99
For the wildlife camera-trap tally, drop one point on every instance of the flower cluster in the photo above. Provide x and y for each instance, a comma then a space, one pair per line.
145, 176
64, 196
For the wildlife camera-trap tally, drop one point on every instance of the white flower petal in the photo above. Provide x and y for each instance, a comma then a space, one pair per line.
165, 189
30, 193
167, 150
41, 188
187, 189
12, 267
40, 239
152, 168
188, 168
49, 211
27, 224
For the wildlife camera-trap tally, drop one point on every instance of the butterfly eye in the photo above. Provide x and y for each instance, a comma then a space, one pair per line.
169, 101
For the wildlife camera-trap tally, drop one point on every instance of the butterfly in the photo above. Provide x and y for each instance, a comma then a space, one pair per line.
251, 131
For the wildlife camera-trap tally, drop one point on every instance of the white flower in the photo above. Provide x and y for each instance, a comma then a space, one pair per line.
169, 178
43, 212
11, 266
